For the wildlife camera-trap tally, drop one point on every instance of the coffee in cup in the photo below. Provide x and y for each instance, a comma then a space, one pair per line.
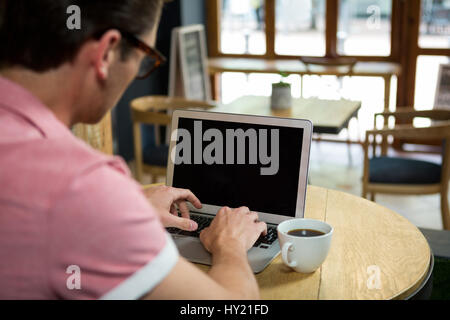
304, 243
305, 233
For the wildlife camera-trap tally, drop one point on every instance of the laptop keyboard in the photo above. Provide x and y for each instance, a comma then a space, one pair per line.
204, 222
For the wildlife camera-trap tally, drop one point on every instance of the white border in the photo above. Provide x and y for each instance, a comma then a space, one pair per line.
261, 120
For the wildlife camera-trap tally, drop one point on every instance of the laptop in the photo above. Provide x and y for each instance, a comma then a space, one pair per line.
239, 160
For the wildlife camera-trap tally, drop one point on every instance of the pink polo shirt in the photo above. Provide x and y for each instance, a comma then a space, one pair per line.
73, 224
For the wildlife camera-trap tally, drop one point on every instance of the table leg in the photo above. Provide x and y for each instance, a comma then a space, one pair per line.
349, 148
301, 86
215, 80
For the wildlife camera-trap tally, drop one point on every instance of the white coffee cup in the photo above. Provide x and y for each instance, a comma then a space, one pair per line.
304, 254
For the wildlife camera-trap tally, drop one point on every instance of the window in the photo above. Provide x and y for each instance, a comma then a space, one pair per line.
242, 27
300, 27
426, 80
364, 27
235, 85
434, 29
276, 28
370, 30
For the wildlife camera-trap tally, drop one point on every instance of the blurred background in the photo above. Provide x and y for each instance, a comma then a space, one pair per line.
411, 35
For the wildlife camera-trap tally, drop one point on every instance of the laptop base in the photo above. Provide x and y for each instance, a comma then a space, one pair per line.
192, 249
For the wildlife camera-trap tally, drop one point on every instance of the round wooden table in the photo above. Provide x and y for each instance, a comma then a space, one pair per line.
375, 254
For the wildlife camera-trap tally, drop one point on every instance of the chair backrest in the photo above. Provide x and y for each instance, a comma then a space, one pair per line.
99, 136
157, 109
347, 62
408, 114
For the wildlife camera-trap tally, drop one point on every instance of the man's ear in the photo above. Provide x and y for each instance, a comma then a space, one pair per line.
106, 53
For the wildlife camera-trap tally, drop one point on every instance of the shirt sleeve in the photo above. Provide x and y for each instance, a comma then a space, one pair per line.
105, 239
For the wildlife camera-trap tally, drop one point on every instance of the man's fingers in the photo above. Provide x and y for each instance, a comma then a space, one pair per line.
183, 209
262, 228
204, 240
180, 223
222, 211
243, 210
185, 194
253, 216
173, 210
202, 233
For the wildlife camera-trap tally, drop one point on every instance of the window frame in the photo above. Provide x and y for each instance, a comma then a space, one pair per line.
405, 49
331, 27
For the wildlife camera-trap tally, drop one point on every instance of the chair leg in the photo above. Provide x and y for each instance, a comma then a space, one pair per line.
372, 196
349, 151
349, 144
445, 210
364, 192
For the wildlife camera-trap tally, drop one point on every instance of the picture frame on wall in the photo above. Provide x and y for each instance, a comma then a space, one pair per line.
188, 70
442, 97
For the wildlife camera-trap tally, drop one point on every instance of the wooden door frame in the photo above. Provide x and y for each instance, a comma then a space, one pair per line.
409, 38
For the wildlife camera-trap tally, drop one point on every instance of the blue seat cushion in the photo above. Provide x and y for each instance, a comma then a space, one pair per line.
403, 171
156, 155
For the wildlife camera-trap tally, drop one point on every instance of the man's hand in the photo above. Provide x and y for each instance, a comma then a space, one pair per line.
228, 238
236, 229
167, 199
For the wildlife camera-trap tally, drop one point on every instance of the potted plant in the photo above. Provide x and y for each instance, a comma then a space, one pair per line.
281, 94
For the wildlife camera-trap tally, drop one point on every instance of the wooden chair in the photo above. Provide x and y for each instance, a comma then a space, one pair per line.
98, 136
395, 175
156, 110
344, 62
344, 65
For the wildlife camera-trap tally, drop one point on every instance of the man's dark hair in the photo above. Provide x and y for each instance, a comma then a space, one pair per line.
34, 34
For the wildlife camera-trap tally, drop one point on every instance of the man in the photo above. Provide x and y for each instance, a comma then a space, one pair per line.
73, 224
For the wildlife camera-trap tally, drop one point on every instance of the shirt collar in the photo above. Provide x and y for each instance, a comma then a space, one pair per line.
17, 99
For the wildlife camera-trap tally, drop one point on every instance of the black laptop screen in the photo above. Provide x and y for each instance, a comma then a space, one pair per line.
238, 164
